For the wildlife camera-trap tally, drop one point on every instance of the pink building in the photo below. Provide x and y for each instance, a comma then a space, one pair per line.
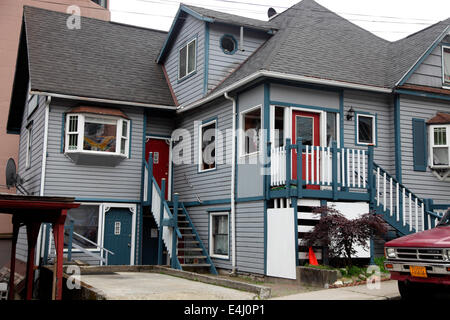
10, 22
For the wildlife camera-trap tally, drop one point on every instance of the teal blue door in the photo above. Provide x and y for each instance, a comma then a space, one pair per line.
118, 235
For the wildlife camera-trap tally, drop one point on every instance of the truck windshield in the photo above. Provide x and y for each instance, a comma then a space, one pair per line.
445, 221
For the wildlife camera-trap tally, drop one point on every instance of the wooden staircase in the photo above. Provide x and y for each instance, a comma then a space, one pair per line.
191, 252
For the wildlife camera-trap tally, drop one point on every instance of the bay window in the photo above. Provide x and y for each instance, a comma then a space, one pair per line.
97, 134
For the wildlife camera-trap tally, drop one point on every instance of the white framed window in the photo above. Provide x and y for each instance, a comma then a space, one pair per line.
250, 122
207, 146
365, 129
446, 66
219, 245
187, 59
86, 222
439, 146
29, 145
89, 133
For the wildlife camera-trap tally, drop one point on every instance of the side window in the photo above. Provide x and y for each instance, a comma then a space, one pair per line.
365, 129
331, 128
439, 143
187, 59
250, 130
207, 146
219, 234
446, 65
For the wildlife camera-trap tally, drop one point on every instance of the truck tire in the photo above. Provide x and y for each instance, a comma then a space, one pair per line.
410, 291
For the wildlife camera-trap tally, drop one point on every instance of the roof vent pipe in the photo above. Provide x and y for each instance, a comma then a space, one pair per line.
271, 12
241, 40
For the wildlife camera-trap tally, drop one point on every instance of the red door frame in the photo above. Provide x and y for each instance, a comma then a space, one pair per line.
316, 142
159, 172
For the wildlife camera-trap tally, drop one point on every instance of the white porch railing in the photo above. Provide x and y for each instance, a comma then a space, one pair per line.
351, 166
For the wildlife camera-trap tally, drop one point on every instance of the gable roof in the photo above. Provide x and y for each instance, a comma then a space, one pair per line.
210, 16
314, 42
102, 60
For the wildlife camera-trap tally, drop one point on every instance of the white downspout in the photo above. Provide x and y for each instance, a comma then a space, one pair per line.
233, 177
44, 148
41, 236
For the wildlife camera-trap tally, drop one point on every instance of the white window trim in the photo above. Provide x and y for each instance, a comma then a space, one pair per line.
374, 135
29, 145
80, 132
445, 85
211, 239
200, 143
432, 145
242, 152
187, 59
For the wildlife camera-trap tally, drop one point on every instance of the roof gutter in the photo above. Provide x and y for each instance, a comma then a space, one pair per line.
129, 103
283, 76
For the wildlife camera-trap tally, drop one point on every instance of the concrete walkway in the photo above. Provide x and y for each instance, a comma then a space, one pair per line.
388, 291
156, 286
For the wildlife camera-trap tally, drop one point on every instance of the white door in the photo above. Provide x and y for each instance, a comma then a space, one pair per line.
281, 260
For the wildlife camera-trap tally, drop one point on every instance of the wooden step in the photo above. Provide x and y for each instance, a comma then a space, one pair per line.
188, 235
190, 249
189, 242
184, 228
192, 257
195, 265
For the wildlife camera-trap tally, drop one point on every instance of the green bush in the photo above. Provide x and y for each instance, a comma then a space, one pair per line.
379, 261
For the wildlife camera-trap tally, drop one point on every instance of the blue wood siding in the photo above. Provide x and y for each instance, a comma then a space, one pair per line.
65, 178
189, 89
221, 64
424, 184
211, 185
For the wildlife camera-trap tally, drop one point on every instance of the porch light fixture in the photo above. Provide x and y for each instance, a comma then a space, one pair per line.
350, 114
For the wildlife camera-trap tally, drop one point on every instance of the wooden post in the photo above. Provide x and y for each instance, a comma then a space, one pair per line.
288, 168
58, 231
174, 233
295, 207
32, 234
161, 226
334, 169
300, 168
12, 266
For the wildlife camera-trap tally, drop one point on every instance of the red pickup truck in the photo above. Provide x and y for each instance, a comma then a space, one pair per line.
421, 261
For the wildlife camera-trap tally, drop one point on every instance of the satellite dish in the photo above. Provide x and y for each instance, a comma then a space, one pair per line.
271, 12
13, 179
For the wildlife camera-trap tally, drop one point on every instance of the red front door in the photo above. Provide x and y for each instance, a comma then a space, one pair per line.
305, 125
160, 150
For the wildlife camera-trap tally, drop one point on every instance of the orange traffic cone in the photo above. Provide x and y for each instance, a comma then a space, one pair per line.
312, 257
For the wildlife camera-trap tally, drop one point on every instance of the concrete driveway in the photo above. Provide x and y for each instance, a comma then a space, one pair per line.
156, 286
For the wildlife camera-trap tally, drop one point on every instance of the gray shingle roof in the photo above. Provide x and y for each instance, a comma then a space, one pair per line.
101, 60
315, 42
232, 18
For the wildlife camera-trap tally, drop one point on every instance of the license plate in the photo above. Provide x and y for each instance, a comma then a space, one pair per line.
417, 271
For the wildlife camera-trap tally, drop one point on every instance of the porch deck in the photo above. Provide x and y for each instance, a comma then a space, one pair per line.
328, 173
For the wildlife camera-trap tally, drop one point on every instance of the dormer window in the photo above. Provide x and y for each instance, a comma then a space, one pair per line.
97, 131
446, 66
187, 60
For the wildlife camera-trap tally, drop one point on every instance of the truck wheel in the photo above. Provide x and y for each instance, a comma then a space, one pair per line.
409, 291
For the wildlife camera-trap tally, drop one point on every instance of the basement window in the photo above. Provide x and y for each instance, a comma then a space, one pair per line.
89, 135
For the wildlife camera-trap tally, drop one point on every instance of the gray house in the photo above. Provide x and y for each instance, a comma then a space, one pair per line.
211, 145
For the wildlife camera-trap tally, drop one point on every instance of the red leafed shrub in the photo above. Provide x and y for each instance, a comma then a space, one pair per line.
341, 235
